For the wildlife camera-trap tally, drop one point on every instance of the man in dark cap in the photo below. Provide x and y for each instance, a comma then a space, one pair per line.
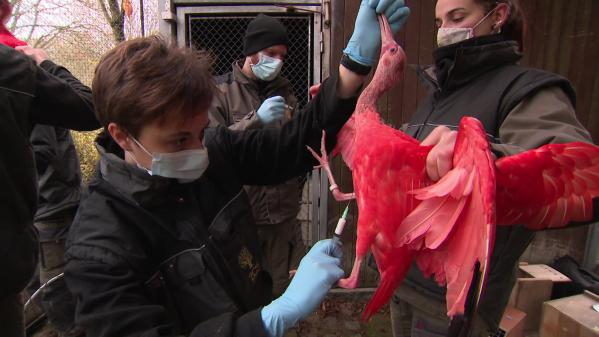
254, 95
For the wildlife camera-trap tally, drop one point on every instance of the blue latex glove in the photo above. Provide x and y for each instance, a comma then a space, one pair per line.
365, 43
272, 109
317, 272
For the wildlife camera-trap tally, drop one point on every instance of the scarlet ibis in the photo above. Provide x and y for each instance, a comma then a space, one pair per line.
447, 226
386, 165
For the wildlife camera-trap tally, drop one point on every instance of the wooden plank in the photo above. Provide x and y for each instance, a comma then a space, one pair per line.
539, 33
428, 38
592, 67
583, 21
412, 49
529, 8
396, 97
428, 41
428, 32
593, 116
553, 36
587, 94
566, 36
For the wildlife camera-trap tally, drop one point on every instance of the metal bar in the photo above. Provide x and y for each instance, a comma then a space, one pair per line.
246, 9
296, 8
315, 197
247, 2
323, 206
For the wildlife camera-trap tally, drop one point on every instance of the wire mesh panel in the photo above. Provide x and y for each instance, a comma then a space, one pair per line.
223, 36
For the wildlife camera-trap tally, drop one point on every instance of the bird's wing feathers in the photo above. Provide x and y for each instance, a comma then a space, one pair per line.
441, 204
454, 224
548, 187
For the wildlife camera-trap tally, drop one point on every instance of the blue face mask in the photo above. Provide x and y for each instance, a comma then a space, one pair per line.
267, 67
186, 166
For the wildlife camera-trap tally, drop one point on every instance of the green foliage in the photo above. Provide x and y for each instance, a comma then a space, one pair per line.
88, 155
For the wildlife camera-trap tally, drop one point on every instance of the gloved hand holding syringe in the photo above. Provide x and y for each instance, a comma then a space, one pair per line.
318, 271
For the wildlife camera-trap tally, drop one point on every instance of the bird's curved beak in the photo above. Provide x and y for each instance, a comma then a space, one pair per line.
386, 33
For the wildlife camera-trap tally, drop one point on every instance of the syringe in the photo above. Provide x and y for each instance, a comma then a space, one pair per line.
341, 225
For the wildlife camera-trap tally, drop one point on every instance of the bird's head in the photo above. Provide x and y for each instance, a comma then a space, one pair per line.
392, 60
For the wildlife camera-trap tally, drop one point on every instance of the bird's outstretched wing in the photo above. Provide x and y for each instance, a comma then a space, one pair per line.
454, 225
548, 187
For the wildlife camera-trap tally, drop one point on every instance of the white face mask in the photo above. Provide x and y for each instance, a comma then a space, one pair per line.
448, 36
267, 67
186, 166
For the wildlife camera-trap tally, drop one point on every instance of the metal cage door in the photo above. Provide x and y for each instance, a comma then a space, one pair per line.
220, 29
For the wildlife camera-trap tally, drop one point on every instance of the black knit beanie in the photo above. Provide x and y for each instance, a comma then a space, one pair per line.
264, 31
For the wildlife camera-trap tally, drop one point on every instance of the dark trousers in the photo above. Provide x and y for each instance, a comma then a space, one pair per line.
11, 316
283, 249
416, 314
55, 298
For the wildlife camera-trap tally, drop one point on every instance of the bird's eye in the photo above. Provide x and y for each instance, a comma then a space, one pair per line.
393, 50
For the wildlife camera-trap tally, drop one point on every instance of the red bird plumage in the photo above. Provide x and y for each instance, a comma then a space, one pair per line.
548, 187
386, 165
448, 226
454, 226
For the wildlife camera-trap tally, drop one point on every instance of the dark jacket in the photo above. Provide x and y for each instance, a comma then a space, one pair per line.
521, 108
59, 175
29, 95
147, 256
235, 105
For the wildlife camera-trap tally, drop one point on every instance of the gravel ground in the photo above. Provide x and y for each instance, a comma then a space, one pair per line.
339, 316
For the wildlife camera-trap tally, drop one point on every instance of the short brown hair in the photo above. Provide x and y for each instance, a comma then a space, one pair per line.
148, 79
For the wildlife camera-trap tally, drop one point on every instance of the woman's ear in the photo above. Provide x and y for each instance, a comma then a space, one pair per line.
120, 136
502, 14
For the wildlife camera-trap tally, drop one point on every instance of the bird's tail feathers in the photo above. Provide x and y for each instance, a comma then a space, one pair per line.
389, 282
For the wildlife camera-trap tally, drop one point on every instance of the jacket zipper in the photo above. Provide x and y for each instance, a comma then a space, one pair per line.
429, 79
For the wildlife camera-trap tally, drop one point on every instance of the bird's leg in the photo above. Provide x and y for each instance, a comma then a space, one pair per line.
352, 281
324, 163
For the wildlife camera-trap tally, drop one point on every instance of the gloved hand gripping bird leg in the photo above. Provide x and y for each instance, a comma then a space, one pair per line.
324, 164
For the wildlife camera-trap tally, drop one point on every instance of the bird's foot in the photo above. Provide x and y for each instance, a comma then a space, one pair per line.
348, 283
340, 196
314, 90
323, 158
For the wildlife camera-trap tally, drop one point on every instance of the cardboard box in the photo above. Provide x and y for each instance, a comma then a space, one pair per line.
572, 316
532, 288
512, 322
